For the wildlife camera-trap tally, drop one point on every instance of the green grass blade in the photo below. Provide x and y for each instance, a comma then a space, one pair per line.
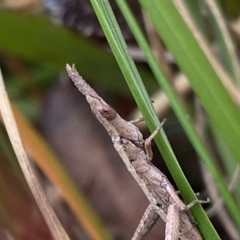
177, 107
134, 81
198, 77
196, 66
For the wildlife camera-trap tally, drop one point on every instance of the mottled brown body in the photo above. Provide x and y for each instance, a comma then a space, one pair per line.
128, 142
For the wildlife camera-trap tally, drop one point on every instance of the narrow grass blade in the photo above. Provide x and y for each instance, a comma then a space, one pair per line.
134, 81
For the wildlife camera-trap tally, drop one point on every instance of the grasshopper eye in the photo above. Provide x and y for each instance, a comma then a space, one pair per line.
107, 112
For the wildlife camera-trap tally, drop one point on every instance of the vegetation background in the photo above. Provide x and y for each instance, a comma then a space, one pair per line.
190, 68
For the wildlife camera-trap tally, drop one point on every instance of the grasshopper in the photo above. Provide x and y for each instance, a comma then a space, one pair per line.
136, 154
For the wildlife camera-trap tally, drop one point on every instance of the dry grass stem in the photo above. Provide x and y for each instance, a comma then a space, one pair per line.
226, 81
217, 202
49, 215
